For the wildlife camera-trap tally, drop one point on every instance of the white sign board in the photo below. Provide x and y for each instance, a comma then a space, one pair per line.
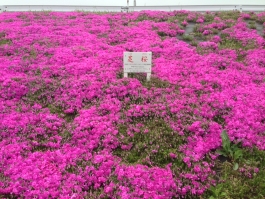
137, 62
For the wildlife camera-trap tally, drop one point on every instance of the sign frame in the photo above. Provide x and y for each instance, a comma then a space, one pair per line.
137, 62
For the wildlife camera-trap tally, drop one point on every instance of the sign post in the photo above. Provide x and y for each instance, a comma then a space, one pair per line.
137, 62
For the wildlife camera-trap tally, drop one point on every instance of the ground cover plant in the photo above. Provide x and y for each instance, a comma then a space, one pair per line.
73, 127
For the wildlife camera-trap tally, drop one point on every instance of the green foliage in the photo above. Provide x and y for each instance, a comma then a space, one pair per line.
161, 34
252, 26
150, 148
253, 16
180, 17
187, 37
196, 28
2, 34
32, 54
194, 43
66, 136
219, 119
156, 82
225, 15
142, 17
217, 192
4, 41
224, 36
230, 150
242, 183
203, 51
229, 43
59, 111
252, 22
72, 17
215, 31
208, 18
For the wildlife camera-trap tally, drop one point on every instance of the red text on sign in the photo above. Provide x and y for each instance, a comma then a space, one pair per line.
130, 59
144, 59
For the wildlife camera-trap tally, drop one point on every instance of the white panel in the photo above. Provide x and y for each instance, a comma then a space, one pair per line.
137, 8
137, 62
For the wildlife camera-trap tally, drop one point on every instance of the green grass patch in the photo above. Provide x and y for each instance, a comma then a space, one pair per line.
154, 81
252, 26
187, 37
245, 182
31, 55
60, 112
208, 18
4, 41
194, 43
151, 145
225, 15
229, 43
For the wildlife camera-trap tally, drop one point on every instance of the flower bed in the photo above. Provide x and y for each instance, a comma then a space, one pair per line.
73, 127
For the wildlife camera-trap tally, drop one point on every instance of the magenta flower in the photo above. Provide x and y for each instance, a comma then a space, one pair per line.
172, 155
184, 23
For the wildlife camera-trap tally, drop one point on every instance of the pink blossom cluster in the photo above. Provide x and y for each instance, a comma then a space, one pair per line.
246, 36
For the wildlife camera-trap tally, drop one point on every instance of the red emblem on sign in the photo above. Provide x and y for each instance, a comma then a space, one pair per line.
144, 59
130, 59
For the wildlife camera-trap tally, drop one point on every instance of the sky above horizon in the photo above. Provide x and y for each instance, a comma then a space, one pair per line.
124, 2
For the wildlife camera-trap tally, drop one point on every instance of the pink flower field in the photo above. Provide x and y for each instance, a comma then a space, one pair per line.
73, 127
